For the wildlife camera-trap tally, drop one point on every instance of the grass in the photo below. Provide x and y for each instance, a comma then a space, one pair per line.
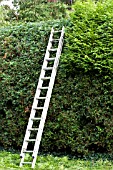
10, 161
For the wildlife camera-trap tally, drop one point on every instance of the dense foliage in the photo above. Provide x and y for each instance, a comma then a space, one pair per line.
3, 16
80, 117
90, 37
22, 50
33, 11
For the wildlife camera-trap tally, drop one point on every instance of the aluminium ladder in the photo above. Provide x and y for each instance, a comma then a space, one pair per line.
56, 51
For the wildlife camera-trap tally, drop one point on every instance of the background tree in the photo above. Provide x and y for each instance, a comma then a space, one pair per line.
36, 10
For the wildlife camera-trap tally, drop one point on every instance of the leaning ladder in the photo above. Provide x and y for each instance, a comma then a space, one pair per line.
46, 70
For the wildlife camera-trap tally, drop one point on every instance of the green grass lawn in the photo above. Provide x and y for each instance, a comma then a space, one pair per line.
10, 161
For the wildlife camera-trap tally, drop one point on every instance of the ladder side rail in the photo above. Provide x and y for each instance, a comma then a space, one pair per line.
46, 104
35, 102
42, 74
56, 62
42, 70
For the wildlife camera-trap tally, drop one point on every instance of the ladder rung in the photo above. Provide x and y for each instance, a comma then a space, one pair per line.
26, 162
36, 118
50, 59
58, 31
33, 129
38, 108
30, 140
41, 98
45, 78
55, 40
48, 68
53, 49
27, 151
43, 87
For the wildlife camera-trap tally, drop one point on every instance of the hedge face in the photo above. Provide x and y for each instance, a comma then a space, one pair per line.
90, 37
89, 49
22, 52
80, 116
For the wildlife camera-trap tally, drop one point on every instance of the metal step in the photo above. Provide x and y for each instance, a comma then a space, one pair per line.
36, 118
55, 40
31, 140
53, 49
27, 151
57, 31
50, 59
26, 162
48, 68
33, 129
45, 78
41, 98
38, 108
41, 88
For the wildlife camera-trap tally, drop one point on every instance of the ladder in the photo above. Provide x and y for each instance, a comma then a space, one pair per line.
45, 84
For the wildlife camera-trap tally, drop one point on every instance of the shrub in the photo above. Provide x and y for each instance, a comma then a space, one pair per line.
89, 38
33, 11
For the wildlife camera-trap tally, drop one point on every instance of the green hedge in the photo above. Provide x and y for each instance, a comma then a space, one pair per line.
22, 50
80, 116
89, 38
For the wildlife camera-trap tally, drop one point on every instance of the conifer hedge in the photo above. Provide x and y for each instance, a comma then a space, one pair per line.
80, 116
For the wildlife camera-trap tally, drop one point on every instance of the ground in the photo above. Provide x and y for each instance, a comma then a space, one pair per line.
10, 161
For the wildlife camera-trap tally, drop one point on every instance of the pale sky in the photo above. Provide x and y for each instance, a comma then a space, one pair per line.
7, 2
